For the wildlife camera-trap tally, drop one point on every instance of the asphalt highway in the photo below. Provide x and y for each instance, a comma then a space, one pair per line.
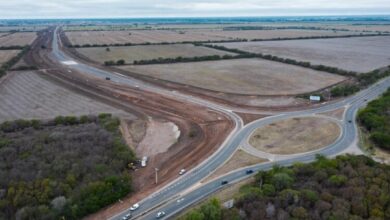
171, 198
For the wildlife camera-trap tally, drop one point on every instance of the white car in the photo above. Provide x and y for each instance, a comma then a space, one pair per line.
160, 214
134, 207
182, 171
126, 217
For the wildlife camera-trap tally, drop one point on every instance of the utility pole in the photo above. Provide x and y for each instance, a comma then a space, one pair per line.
156, 171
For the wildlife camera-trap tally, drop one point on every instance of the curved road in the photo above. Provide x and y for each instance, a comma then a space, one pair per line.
169, 198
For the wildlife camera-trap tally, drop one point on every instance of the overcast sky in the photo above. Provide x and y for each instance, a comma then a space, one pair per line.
186, 8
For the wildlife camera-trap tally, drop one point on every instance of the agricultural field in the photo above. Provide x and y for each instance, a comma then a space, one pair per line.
22, 28
360, 54
242, 76
270, 34
362, 27
28, 95
132, 53
296, 135
18, 39
183, 35
135, 37
6, 55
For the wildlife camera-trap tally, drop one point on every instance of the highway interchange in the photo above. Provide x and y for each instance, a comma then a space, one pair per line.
171, 199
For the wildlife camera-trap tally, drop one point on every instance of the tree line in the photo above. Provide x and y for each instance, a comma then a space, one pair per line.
64, 168
375, 118
347, 187
7, 65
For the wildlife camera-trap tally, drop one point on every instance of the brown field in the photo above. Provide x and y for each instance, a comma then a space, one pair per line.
6, 55
374, 28
28, 95
181, 35
296, 135
271, 34
129, 54
135, 37
3, 34
242, 76
18, 39
23, 28
360, 54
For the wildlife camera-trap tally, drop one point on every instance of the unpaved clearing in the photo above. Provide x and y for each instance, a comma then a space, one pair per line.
158, 138
132, 131
6, 55
132, 53
239, 159
360, 54
296, 135
18, 39
28, 95
242, 76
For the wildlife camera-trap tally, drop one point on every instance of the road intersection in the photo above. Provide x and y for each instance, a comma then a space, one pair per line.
170, 198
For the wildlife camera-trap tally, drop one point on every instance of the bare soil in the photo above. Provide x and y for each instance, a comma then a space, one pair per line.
296, 135
360, 54
158, 138
18, 39
239, 159
132, 53
6, 55
248, 117
338, 113
28, 95
242, 76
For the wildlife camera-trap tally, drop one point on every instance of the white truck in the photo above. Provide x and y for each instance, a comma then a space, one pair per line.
144, 161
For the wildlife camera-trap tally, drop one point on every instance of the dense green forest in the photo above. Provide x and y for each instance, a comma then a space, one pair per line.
348, 187
375, 118
66, 167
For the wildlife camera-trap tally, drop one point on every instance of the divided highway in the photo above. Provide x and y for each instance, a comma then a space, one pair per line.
169, 199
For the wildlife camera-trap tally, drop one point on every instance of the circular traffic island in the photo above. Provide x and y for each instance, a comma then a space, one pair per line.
295, 135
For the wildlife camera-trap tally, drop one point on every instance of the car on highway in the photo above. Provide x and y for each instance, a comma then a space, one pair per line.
127, 216
249, 171
134, 207
160, 214
108, 78
349, 121
224, 182
182, 171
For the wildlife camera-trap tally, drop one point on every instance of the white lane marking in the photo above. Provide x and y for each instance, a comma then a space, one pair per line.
119, 74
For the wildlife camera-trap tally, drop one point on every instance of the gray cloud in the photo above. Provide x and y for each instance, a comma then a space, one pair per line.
185, 8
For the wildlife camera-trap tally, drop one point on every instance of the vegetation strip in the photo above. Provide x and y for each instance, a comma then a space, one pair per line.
7, 65
375, 119
64, 168
348, 187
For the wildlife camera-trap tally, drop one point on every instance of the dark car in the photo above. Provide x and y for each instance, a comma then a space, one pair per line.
349, 121
224, 182
108, 78
249, 171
